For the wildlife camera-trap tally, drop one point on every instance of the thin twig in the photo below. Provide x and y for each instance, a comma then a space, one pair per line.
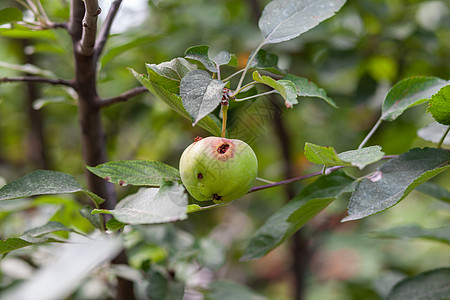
326, 171
256, 96
57, 25
443, 137
124, 96
42, 12
247, 66
232, 75
54, 81
87, 42
106, 27
290, 180
372, 131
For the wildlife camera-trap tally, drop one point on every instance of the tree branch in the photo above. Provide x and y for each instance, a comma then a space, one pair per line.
53, 81
89, 30
76, 17
291, 180
124, 96
106, 28
58, 25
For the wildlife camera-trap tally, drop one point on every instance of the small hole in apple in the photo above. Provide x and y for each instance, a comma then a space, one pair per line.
223, 148
217, 197
200, 176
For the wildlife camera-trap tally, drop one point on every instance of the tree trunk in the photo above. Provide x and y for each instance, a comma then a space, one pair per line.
36, 149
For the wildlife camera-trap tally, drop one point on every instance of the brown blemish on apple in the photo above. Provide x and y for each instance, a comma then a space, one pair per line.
200, 176
223, 148
217, 197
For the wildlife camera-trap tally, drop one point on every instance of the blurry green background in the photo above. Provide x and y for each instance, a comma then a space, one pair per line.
356, 56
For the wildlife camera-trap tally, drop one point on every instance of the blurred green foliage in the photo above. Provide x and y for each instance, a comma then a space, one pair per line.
356, 56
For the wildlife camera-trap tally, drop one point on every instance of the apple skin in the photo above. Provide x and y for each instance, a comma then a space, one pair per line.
218, 169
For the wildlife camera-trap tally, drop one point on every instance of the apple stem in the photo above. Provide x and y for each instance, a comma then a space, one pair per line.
224, 119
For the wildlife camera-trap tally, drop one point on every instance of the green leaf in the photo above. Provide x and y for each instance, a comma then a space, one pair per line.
24, 33
439, 106
95, 220
169, 74
395, 180
408, 93
354, 158
434, 133
191, 208
175, 103
282, 20
136, 172
47, 228
434, 190
362, 157
286, 88
151, 205
44, 182
114, 225
200, 53
441, 234
9, 15
306, 88
13, 244
291, 217
266, 61
200, 94
225, 289
322, 155
224, 58
430, 285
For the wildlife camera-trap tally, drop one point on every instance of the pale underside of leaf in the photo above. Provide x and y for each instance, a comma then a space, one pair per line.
200, 94
357, 158
174, 69
174, 102
434, 133
152, 205
283, 20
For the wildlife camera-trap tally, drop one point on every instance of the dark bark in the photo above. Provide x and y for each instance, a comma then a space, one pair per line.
36, 146
93, 139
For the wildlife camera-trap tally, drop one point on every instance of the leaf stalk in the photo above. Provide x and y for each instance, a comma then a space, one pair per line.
443, 137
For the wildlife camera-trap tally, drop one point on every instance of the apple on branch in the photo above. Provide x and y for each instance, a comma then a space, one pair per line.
218, 169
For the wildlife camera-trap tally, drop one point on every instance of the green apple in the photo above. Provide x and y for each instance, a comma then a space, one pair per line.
218, 169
